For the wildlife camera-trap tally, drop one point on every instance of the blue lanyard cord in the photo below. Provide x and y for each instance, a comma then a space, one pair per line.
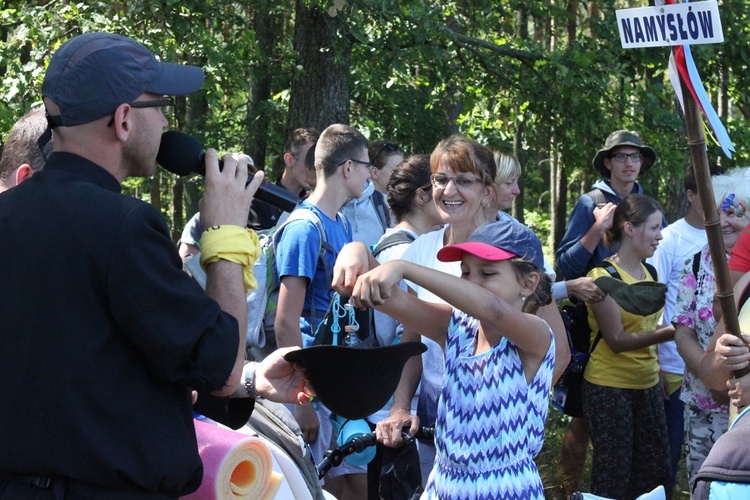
338, 312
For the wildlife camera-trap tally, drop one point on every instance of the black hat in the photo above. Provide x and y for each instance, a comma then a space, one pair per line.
92, 74
623, 138
351, 382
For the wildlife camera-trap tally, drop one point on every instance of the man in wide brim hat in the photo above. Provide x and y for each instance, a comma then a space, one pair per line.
619, 139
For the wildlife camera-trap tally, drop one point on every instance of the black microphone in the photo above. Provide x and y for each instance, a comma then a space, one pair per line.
183, 155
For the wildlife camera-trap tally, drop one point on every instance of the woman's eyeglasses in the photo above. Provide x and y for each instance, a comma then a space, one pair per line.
460, 181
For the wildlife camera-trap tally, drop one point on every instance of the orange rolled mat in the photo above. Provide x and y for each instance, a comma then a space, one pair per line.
235, 466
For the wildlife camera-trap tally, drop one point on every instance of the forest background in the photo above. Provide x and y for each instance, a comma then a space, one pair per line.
546, 80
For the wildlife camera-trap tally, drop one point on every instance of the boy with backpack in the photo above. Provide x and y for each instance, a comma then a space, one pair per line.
342, 168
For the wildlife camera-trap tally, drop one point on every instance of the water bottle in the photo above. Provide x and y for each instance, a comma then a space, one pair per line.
351, 339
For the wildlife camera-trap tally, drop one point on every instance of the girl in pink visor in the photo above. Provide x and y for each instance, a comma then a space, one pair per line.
499, 356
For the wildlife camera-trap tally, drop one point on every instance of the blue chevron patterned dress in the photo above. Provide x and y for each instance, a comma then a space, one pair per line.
490, 422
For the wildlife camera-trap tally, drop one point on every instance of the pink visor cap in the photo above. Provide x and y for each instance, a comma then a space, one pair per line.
499, 240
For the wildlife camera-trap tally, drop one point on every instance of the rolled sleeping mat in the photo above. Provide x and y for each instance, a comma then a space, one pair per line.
235, 466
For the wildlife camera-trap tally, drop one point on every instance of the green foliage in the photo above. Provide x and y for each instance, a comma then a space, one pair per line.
419, 71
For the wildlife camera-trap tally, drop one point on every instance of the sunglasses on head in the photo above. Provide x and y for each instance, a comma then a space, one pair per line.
391, 148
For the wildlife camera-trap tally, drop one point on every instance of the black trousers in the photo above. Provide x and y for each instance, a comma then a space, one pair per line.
27, 487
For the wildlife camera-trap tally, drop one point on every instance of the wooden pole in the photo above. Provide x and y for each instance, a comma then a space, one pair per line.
697, 144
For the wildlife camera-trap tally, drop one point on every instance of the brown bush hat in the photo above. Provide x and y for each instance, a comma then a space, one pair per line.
623, 138
354, 383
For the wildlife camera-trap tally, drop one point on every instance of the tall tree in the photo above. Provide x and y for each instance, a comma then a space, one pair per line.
320, 86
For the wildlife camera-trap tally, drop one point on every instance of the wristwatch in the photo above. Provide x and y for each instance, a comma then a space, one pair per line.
249, 371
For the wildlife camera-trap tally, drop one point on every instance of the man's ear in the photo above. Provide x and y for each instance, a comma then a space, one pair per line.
346, 169
288, 159
23, 172
122, 121
689, 194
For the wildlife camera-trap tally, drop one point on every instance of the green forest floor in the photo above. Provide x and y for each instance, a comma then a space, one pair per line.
548, 461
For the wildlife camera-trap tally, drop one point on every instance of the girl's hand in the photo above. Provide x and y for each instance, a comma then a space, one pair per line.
375, 287
352, 261
732, 352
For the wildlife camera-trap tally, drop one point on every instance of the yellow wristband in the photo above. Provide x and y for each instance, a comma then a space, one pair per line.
233, 244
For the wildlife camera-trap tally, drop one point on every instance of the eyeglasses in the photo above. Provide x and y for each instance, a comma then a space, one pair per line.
391, 148
367, 164
623, 157
166, 104
460, 181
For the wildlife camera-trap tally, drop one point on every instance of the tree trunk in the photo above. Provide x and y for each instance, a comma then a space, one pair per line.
320, 86
519, 153
522, 31
266, 25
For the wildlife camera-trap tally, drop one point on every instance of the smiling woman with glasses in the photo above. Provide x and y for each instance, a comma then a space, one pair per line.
458, 167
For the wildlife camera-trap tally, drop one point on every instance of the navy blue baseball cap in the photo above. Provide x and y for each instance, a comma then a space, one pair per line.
499, 240
92, 74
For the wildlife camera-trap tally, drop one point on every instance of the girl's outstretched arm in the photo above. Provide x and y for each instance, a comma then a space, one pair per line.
498, 318
379, 289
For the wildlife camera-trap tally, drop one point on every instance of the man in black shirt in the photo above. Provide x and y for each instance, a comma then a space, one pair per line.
103, 336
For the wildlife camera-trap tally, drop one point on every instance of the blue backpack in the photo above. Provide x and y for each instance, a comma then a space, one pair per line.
267, 303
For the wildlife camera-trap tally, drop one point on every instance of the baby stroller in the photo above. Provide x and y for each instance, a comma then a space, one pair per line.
276, 424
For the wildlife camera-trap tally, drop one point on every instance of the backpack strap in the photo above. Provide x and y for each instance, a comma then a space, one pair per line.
597, 195
381, 208
612, 270
393, 239
651, 271
697, 263
305, 213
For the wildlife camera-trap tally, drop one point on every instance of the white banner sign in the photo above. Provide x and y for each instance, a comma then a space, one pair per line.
677, 24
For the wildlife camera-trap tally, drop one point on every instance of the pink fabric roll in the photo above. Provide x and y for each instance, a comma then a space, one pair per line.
235, 466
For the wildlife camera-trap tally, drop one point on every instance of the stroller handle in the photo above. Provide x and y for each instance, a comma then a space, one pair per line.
334, 456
